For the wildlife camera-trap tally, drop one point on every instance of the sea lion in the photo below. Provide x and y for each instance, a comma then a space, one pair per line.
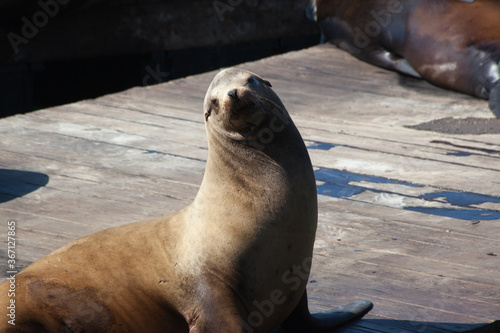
235, 260
454, 44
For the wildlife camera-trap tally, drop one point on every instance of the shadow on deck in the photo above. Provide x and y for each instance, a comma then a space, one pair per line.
17, 183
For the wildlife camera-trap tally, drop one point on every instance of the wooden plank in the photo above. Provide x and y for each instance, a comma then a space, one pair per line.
147, 113
67, 229
177, 142
399, 282
415, 243
406, 142
104, 154
156, 185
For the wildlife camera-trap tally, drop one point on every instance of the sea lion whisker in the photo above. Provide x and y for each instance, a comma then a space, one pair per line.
273, 105
257, 100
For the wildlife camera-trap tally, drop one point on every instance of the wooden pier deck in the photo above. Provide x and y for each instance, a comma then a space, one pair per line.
408, 219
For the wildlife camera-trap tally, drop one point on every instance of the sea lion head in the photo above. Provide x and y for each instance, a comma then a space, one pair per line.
239, 104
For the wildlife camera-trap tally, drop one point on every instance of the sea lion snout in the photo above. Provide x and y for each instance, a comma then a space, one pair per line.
239, 102
233, 94
244, 109
235, 100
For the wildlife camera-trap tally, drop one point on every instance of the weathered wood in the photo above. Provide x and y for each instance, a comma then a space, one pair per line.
408, 219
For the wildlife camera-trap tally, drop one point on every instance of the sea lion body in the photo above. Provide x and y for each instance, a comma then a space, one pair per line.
454, 44
236, 260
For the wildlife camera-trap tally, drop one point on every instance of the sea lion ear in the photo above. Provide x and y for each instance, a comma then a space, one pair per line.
267, 83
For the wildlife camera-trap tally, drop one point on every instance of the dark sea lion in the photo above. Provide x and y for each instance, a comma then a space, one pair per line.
236, 260
454, 44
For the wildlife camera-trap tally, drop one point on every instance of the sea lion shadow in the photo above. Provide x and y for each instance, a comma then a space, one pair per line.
393, 325
18, 183
426, 88
404, 195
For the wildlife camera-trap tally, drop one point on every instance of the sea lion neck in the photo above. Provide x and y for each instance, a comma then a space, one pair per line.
241, 160
239, 169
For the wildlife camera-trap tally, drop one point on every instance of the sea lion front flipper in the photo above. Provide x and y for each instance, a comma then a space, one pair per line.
300, 320
495, 99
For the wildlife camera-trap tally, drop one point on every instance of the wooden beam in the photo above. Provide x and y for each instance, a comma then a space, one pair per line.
82, 29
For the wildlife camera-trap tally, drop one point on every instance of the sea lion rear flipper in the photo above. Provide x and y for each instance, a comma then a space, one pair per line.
382, 57
300, 320
370, 50
390, 60
495, 99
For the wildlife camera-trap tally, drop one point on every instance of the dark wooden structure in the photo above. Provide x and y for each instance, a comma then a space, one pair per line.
45, 44
408, 219
63, 30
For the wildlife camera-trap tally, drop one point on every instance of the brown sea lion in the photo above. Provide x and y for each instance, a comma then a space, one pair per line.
454, 44
236, 260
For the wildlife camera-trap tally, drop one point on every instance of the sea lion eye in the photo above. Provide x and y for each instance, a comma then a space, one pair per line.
251, 80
